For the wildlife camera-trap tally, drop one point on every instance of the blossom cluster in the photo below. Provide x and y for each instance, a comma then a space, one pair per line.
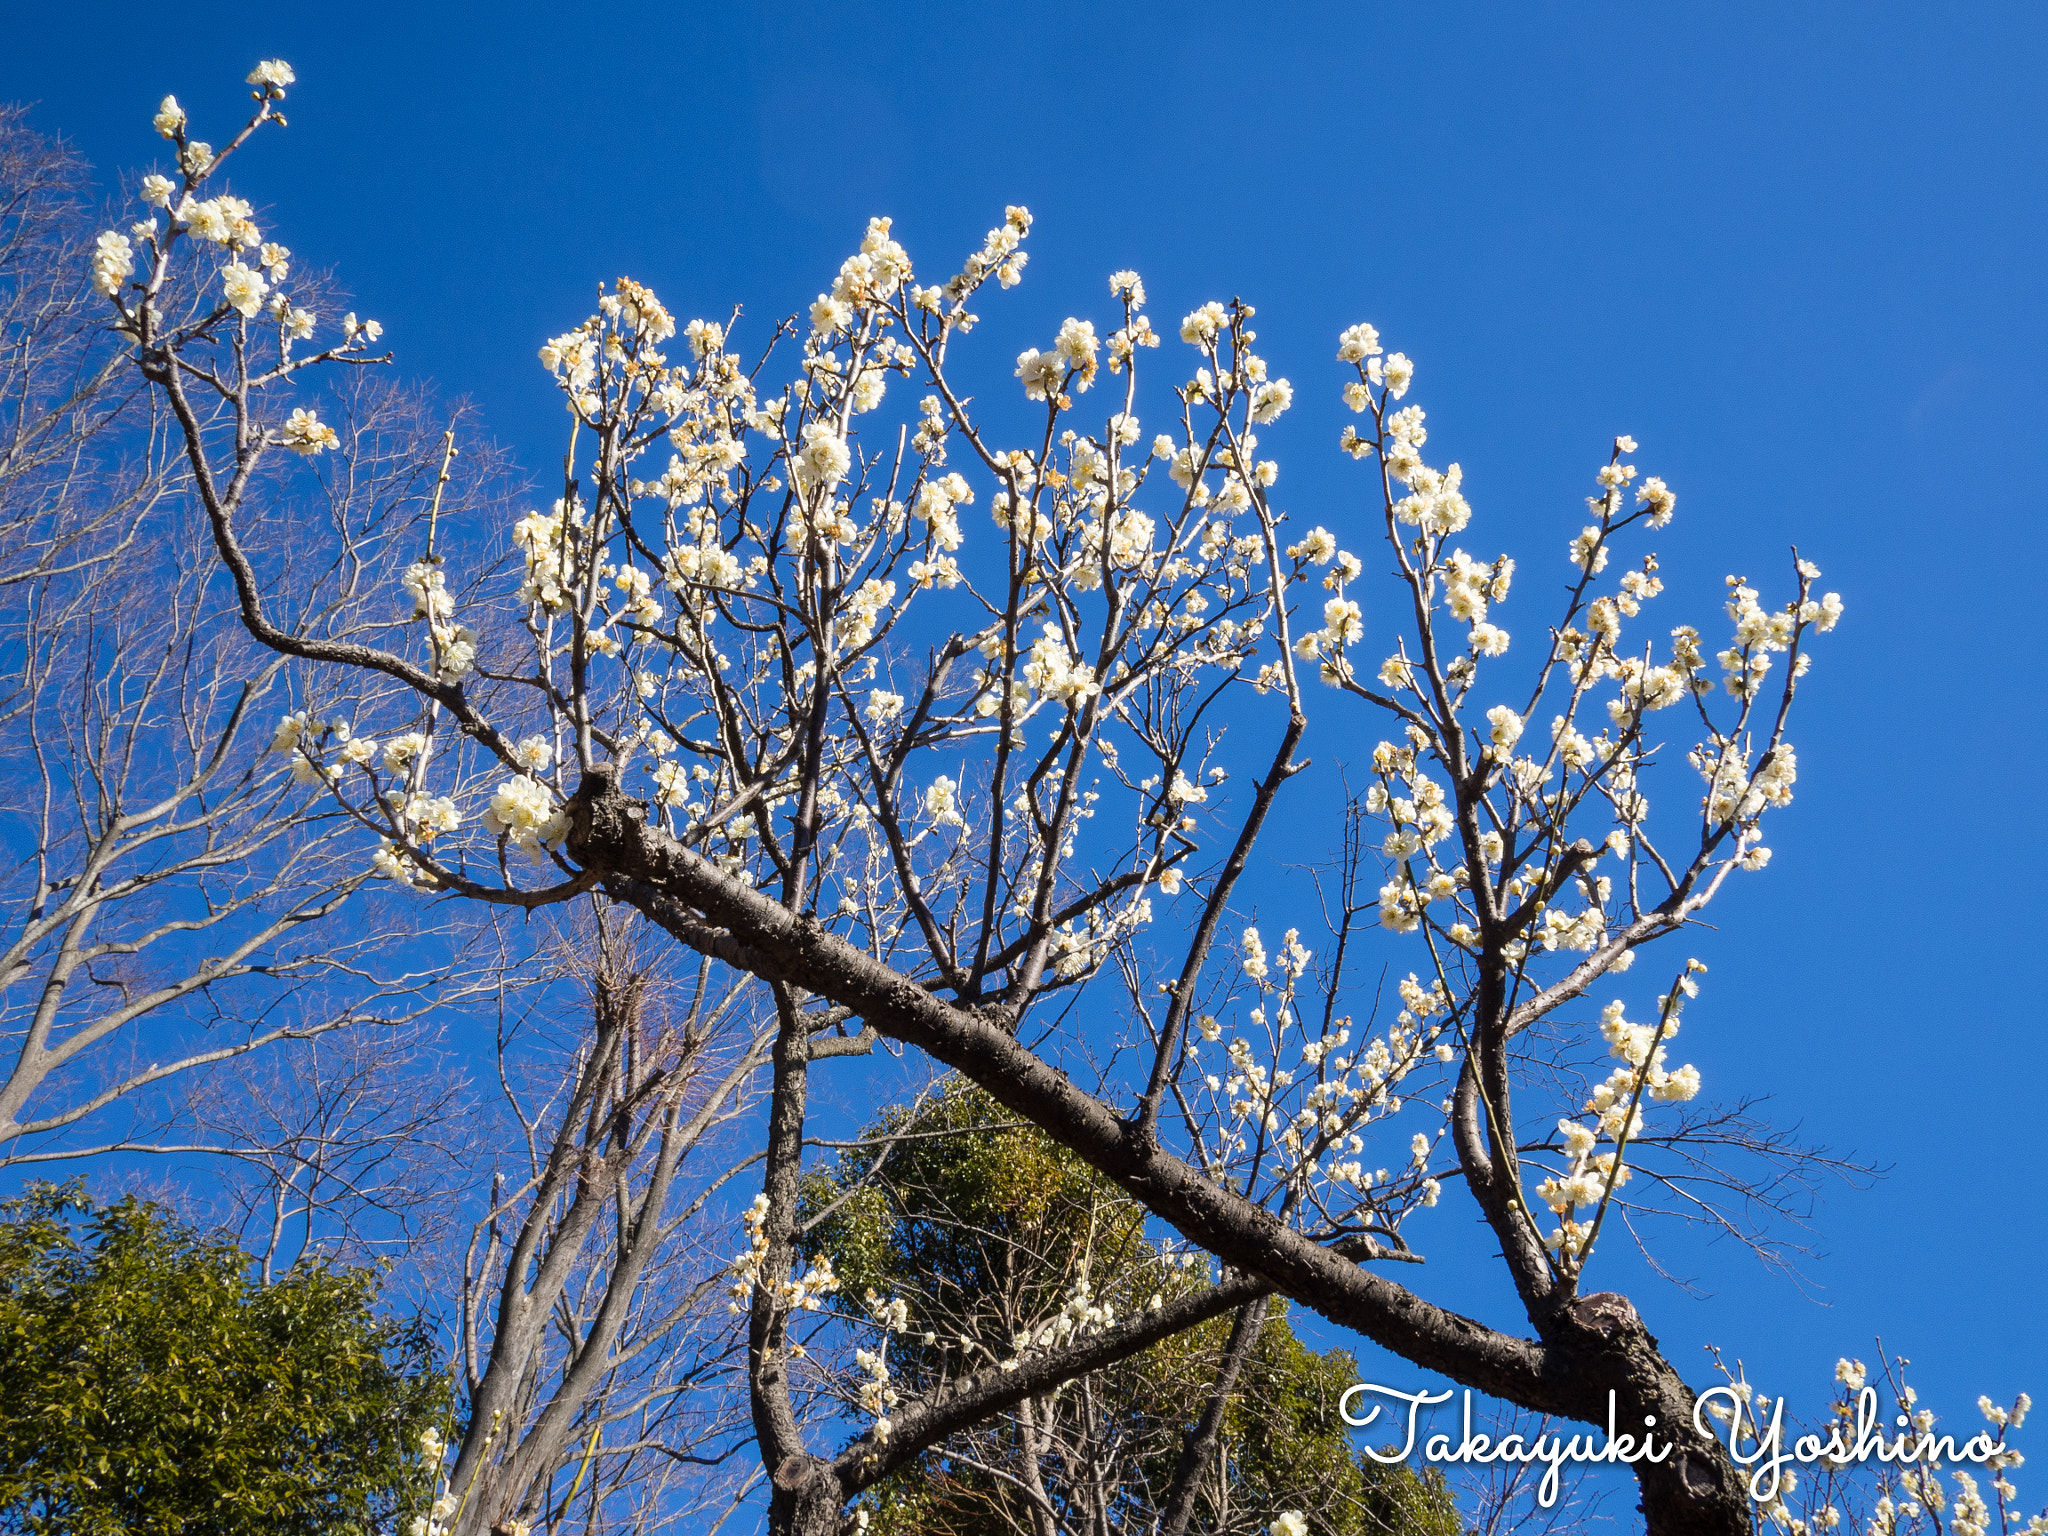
131, 268
1887, 1477
1591, 1176
805, 1293
1311, 1120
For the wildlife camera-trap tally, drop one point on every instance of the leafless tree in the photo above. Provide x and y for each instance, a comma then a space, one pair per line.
1504, 1498
347, 1148
593, 1326
177, 893
927, 790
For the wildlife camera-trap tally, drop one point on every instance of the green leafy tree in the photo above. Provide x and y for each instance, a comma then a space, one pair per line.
996, 1241
150, 1386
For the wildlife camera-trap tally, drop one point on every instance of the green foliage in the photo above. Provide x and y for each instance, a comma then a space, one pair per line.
985, 1229
149, 1387
1290, 1450
983, 1224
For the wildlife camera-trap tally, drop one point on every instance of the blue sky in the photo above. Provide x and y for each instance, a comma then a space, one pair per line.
1795, 250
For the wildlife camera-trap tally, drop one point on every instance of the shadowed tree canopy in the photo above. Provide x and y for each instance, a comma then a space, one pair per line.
989, 1232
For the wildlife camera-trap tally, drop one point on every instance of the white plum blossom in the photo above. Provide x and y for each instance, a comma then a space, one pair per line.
1041, 373
829, 314
1589, 552
306, 435
1356, 343
1317, 546
1075, 347
1658, 497
1057, 673
1254, 955
113, 262
942, 803
1269, 400
1504, 730
522, 812
825, 458
1204, 325
243, 287
400, 751
1343, 623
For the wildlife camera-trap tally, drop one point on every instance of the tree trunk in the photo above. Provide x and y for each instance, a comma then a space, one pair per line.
1695, 1490
805, 1499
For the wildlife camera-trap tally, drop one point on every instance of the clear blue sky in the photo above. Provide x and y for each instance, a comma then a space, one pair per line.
1795, 250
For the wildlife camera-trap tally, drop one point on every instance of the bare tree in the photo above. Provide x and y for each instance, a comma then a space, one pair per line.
1506, 1497
592, 1320
179, 892
772, 697
345, 1148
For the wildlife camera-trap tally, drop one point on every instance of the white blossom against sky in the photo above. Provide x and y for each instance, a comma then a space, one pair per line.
1795, 251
